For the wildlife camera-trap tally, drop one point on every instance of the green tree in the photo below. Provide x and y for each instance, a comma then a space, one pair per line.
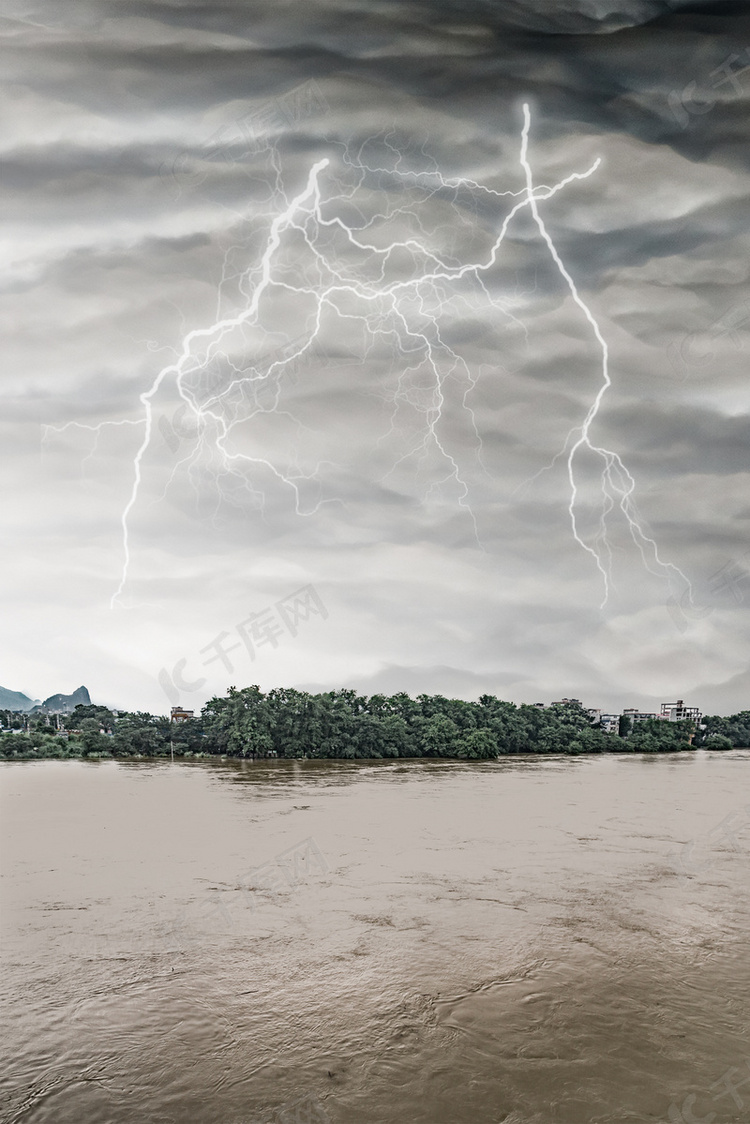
101, 714
718, 741
141, 734
92, 741
439, 737
20, 746
395, 736
238, 725
735, 727
478, 745
654, 735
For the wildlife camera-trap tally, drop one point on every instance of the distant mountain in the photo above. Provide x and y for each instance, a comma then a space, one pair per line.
65, 704
15, 700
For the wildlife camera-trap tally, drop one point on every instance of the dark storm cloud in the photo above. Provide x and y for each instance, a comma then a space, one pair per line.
547, 16
140, 162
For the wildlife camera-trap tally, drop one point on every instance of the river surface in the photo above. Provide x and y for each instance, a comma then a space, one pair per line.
533, 940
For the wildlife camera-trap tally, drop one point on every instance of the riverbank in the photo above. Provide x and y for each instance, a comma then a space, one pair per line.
621, 747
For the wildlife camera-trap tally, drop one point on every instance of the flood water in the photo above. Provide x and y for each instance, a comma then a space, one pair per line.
547, 940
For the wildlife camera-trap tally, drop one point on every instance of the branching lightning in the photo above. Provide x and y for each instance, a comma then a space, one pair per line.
367, 286
618, 485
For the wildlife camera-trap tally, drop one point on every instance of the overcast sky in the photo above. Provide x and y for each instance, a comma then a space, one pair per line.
390, 427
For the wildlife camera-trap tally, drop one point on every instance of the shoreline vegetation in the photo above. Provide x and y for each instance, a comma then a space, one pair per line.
342, 725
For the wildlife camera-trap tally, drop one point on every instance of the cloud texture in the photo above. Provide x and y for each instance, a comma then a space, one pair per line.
148, 148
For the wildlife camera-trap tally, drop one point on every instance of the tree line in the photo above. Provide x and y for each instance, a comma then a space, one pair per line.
727, 732
344, 725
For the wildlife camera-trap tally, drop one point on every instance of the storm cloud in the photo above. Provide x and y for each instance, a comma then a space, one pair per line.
148, 148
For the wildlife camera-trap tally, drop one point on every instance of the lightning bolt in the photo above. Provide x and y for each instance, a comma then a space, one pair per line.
404, 310
618, 484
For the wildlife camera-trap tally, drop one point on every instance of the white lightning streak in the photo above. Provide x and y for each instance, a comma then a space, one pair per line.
178, 368
407, 309
623, 487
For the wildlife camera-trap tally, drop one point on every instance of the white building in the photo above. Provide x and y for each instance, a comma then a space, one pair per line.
677, 711
639, 715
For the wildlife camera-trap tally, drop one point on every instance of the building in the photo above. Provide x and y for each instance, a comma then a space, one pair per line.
677, 712
180, 715
637, 715
608, 723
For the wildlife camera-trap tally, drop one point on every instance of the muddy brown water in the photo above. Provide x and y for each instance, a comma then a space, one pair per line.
534, 940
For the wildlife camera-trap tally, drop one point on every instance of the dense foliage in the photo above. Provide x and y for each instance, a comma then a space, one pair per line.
724, 732
342, 724
657, 736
